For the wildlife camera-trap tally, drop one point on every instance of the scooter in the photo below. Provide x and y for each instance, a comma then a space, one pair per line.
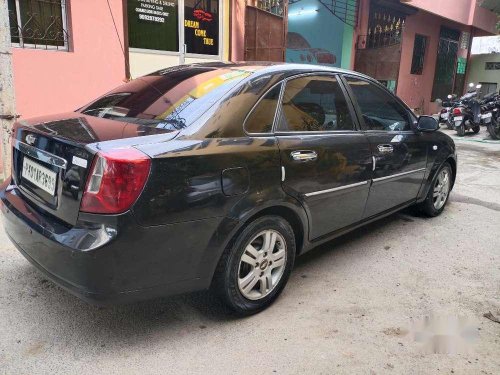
467, 115
490, 116
445, 116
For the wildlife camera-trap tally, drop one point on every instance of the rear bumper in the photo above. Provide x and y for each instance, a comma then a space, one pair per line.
112, 259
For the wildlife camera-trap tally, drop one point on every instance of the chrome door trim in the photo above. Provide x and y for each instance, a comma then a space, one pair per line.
41, 155
397, 175
344, 187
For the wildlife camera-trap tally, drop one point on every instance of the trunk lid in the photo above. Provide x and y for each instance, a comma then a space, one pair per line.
52, 156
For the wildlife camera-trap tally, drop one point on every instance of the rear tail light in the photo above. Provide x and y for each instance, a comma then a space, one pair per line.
457, 111
115, 181
444, 110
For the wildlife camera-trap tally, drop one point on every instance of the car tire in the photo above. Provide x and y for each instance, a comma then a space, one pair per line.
461, 130
429, 207
234, 275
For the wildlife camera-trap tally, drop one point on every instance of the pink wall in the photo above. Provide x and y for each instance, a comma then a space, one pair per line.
55, 81
414, 89
237, 30
467, 12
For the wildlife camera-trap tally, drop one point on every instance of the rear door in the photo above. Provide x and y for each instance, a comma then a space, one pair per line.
326, 161
400, 155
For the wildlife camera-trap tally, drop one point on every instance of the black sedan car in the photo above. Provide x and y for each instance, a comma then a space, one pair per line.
215, 176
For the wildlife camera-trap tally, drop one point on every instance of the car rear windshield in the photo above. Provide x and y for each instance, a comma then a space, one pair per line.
168, 99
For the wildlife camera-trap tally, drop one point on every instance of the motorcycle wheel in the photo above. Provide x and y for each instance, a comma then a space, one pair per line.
449, 124
476, 129
461, 130
494, 129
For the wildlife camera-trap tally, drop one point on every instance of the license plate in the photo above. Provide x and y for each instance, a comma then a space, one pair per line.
39, 176
458, 118
486, 115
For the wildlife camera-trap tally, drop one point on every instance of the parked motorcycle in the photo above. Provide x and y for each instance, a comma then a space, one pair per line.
446, 116
490, 115
467, 114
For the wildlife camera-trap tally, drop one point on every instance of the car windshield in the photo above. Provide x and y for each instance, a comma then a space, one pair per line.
168, 99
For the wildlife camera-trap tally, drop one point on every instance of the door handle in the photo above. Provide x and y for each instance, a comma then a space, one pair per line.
385, 149
304, 155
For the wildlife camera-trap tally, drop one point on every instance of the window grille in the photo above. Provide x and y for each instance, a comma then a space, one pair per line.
38, 24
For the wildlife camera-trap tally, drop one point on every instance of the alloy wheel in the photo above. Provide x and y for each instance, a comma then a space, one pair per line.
262, 265
441, 189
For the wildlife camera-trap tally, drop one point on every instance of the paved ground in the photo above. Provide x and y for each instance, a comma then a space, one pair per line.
350, 306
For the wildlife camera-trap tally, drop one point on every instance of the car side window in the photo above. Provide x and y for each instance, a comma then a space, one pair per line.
314, 103
379, 109
261, 118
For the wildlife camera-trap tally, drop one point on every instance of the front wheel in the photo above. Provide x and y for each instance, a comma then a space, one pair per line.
494, 129
253, 272
438, 194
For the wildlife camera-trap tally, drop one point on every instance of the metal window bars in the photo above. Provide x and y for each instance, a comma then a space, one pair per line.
275, 7
38, 24
379, 37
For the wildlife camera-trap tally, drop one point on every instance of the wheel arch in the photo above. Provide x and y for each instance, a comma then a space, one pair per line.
438, 163
287, 213
453, 163
294, 215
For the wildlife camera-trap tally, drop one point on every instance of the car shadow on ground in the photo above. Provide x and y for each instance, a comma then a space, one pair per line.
52, 306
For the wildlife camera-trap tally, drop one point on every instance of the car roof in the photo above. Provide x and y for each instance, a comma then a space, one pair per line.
259, 68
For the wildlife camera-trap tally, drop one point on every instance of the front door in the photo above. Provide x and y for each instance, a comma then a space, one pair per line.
399, 154
326, 161
446, 63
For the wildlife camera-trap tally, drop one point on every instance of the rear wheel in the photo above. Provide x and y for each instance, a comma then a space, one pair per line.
438, 194
494, 129
461, 130
476, 129
449, 124
253, 272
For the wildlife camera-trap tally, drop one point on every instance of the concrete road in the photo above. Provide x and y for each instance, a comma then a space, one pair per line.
352, 306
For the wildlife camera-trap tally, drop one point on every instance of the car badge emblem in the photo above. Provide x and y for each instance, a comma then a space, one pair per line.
30, 139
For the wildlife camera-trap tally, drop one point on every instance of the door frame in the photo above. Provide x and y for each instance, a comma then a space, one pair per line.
302, 134
342, 84
411, 132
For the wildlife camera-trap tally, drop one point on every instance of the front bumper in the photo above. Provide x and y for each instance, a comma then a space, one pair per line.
111, 259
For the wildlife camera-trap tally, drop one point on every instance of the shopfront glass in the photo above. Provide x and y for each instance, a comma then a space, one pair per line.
180, 26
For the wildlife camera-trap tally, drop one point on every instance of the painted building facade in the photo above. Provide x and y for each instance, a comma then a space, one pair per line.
484, 64
319, 33
65, 60
419, 48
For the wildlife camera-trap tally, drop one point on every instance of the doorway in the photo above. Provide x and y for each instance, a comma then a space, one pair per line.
444, 77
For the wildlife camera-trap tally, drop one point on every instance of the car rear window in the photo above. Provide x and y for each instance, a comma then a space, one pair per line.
169, 99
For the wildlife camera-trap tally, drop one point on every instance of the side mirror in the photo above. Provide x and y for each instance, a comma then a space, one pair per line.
427, 124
